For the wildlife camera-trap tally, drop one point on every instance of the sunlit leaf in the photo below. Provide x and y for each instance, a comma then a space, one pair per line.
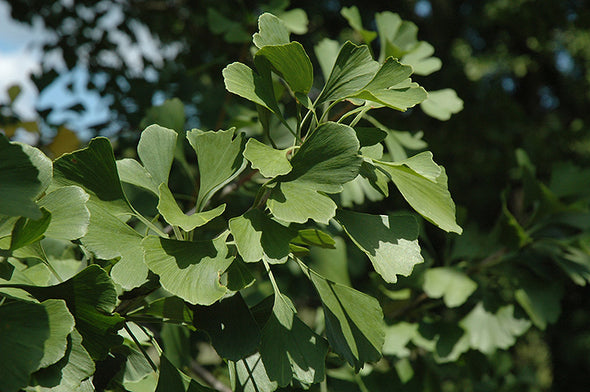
390, 242
69, 214
488, 332
250, 375
173, 214
353, 17
109, 237
326, 51
258, 236
290, 349
442, 104
156, 150
354, 321
424, 186
219, 155
448, 283
353, 69
271, 31
269, 161
420, 59
254, 86
190, 270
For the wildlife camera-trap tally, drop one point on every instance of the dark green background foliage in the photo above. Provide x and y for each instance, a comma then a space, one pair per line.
503, 307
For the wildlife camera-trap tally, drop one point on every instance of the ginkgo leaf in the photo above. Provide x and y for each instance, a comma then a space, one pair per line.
90, 297
353, 16
69, 214
290, 349
291, 63
173, 214
94, 169
271, 31
354, 321
442, 104
488, 332
326, 160
392, 87
425, 190
109, 237
353, 69
27, 231
259, 236
219, 155
230, 325
450, 284
421, 60
24, 174
254, 86
156, 148
326, 52
390, 242
270, 162
190, 270
132, 172
250, 375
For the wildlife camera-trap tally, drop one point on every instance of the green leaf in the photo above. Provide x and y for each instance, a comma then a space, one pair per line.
295, 20
109, 237
258, 236
326, 160
61, 324
540, 299
291, 63
354, 321
353, 69
250, 375
271, 31
291, 202
68, 373
442, 104
488, 332
190, 270
397, 337
24, 174
314, 237
369, 136
156, 150
220, 159
390, 242
392, 87
90, 297
230, 325
69, 215
353, 16
172, 309
173, 214
269, 161
290, 349
26, 230
239, 276
397, 37
24, 329
450, 284
132, 172
420, 59
424, 186
332, 262
326, 51
94, 169
256, 87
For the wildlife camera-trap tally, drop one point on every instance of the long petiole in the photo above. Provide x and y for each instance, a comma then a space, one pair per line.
140, 347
